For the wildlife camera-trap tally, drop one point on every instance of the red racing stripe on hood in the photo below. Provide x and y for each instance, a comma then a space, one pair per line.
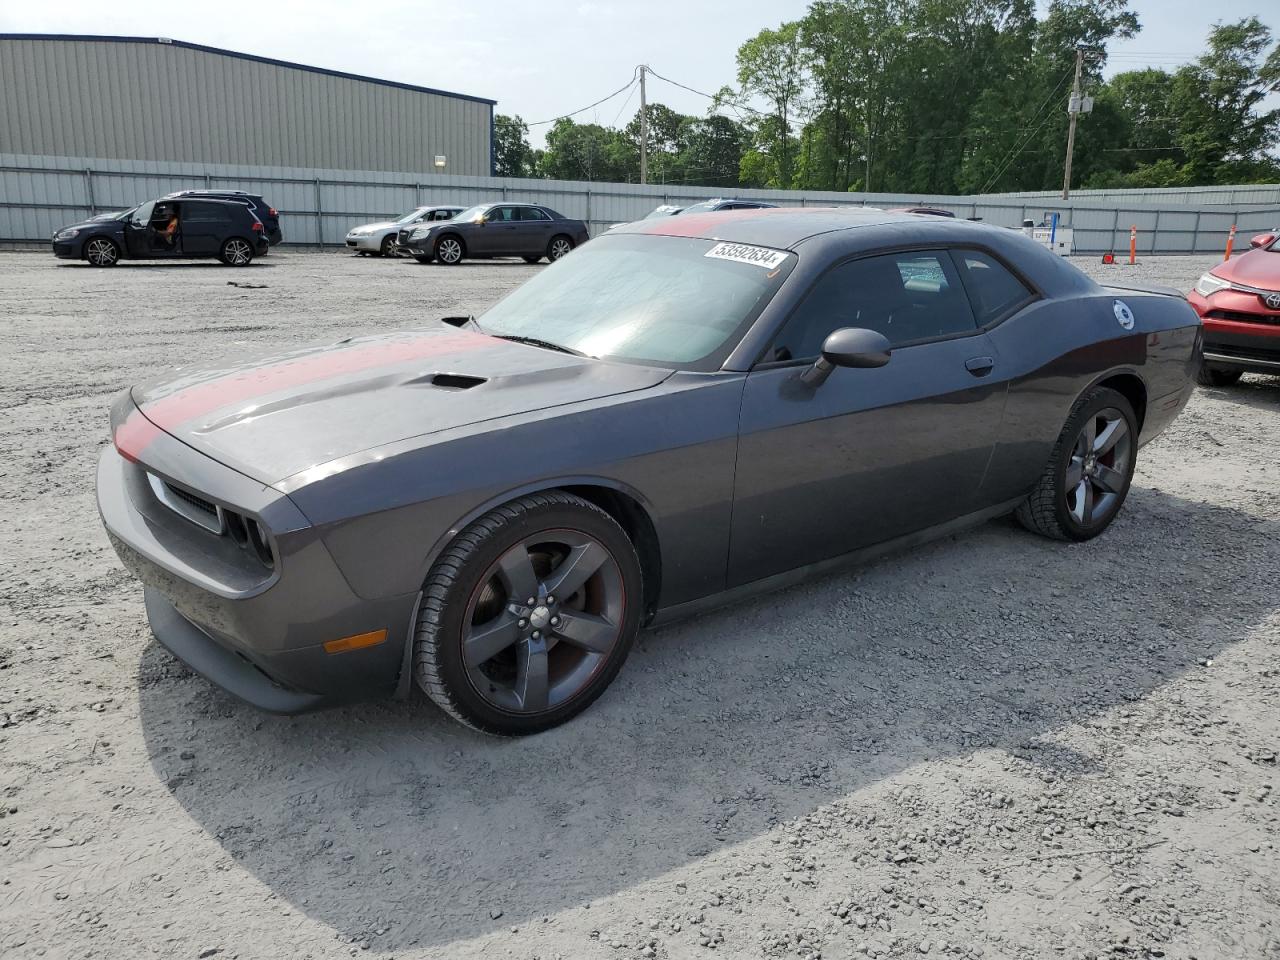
178, 408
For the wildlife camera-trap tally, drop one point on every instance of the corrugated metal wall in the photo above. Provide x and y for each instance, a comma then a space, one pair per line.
147, 100
40, 194
1248, 193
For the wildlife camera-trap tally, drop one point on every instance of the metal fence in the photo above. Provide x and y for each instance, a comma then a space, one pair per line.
40, 194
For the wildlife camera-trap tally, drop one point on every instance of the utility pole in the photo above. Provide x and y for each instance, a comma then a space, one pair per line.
1073, 108
644, 131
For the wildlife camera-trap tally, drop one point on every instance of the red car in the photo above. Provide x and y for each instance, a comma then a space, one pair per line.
1239, 304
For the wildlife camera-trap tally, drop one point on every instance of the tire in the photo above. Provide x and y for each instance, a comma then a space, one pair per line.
532, 259
1208, 376
423, 257
471, 602
1098, 445
559, 246
101, 252
449, 250
236, 252
387, 247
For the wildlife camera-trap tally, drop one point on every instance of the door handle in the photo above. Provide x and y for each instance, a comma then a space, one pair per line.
979, 366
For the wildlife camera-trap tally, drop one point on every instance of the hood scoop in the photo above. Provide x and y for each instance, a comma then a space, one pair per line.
450, 381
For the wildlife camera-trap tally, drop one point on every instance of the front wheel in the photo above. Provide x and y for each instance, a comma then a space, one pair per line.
388, 247
101, 252
558, 247
528, 615
1208, 376
236, 252
1089, 472
449, 250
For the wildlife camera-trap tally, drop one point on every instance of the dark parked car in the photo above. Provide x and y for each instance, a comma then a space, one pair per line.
261, 209
491, 230
661, 422
928, 211
165, 229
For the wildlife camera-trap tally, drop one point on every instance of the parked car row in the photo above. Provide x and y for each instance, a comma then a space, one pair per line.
450, 235
236, 226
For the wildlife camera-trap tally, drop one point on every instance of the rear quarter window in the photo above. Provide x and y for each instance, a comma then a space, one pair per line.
995, 291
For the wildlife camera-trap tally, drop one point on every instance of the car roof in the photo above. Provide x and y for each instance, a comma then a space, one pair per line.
208, 193
778, 227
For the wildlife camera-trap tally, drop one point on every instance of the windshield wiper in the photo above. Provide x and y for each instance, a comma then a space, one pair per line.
535, 342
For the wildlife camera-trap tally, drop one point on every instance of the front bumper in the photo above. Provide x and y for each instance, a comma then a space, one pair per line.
367, 243
67, 249
257, 633
1239, 331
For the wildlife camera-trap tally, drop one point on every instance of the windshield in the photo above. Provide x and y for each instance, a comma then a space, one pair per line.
665, 210
706, 206
672, 301
413, 214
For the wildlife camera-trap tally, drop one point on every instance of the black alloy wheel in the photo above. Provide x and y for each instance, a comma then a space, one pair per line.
1089, 473
528, 615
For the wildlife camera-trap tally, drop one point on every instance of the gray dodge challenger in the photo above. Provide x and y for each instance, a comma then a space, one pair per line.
685, 411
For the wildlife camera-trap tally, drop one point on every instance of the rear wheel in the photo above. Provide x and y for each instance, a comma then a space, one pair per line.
236, 252
449, 250
101, 252
528, 615
1208, 376
1087, 477
558, 247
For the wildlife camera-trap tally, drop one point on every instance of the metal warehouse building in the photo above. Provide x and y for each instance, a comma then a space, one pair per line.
140, 98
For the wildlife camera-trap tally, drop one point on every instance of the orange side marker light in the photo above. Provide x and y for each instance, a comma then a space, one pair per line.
358, 642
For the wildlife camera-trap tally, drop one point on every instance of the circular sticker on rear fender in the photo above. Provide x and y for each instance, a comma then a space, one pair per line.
1124, 316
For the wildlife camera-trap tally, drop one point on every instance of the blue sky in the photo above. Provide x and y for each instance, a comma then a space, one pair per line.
541, 59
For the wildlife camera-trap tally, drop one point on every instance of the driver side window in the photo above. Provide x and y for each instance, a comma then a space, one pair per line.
142, 215
909, 297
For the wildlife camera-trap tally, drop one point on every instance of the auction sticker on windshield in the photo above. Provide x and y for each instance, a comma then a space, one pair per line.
743, 253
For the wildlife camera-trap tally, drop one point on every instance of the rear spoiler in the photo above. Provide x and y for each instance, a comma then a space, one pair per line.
1155, 288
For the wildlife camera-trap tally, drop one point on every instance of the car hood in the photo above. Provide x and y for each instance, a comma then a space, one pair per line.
387, 225
1257, 268
275, 417
84, 224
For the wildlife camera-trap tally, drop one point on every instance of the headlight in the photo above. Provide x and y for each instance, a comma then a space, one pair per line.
419, 233
66, 234
1208, 284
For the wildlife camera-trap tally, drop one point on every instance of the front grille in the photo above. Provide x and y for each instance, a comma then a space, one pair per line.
1237, 317
200, 503
246, 532
402, 237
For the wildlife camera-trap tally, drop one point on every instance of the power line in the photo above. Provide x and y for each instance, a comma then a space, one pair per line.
1014, 153
624, 105
732, 106
566, 116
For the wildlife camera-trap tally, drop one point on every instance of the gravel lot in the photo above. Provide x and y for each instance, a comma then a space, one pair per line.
993, 746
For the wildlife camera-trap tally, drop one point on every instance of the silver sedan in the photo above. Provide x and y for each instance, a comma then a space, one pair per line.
379, 239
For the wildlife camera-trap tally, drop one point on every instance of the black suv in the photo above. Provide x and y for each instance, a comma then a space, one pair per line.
167, 228
261, 209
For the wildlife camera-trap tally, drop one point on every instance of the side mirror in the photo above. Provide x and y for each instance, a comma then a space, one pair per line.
1263, 240
848, 347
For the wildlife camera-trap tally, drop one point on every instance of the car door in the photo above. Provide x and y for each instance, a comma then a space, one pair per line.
498, 235
870, 454
136, 240
535, 232
203, 224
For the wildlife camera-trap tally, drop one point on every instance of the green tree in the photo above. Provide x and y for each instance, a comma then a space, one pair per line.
512, 155
771, 66
588, 151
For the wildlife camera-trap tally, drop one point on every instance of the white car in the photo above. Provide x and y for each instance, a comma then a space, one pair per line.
380, 238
